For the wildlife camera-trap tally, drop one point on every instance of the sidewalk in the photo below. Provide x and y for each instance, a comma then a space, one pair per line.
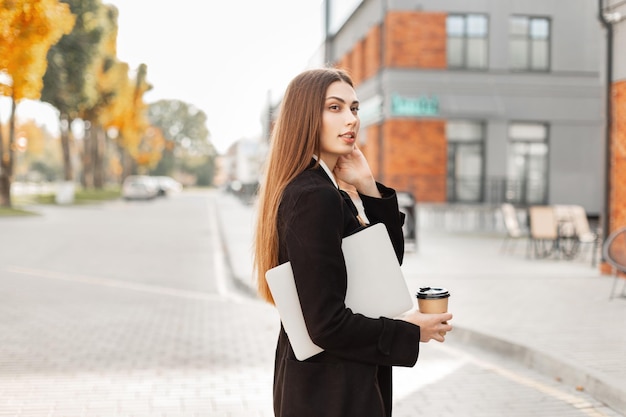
551, 315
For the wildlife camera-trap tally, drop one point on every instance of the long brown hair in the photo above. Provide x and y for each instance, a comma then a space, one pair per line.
294, 141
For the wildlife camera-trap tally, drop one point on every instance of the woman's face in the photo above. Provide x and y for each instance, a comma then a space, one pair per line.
340, 122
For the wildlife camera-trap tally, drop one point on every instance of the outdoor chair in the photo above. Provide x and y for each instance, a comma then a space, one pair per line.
614, 251
543, 230
574, 231
584, 233
567, 243
514, 231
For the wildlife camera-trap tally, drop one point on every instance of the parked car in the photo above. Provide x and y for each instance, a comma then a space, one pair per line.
168, 185
139, 187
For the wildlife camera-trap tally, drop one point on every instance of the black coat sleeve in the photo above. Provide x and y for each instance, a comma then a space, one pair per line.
311, 235
385, 210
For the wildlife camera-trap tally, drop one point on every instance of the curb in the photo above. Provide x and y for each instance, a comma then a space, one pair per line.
241, 285
548, 365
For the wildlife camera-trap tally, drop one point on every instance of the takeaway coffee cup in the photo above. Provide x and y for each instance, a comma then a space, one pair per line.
432, 300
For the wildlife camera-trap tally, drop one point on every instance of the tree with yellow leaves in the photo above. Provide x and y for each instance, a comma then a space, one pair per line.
69, 82
106, 73
120, 107
127, 114
151, 148
28, 28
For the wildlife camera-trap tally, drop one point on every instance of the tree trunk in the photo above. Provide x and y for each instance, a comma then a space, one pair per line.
128, 163
5, 190
6, 161
86, 177
68, 174
98, 157
127, 167
4, 200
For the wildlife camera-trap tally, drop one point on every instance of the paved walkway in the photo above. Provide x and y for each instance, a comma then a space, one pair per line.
551, 315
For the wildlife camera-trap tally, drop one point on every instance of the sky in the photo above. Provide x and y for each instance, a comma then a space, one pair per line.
225, 57
228, 58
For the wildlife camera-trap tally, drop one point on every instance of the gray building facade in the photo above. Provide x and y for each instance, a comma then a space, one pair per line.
518, 87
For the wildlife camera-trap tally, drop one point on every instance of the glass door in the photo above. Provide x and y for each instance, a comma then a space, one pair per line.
465, 171
527, 180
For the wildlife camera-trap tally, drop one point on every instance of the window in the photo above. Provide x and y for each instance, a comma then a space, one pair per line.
467, 41
527, 179
465, 161
529, 43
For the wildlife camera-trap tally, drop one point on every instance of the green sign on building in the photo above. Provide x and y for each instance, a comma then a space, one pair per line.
412, 107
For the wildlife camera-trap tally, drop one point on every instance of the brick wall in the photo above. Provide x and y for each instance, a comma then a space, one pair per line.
617, 213
414, 151
371, 150
414, 156
617, 193
412, 40
371, 53
415, 40
345, 63
363, 60
357, 64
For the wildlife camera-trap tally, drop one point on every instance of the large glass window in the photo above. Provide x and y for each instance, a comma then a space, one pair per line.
527, 179
529, 43
465, 161
467, 41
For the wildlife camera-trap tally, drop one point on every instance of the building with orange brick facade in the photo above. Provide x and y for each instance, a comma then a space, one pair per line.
613, 14
480, 101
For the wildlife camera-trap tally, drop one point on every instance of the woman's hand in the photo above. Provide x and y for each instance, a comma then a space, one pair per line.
354, 170
432, 326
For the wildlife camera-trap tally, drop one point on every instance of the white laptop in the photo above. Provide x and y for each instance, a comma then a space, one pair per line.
376, 286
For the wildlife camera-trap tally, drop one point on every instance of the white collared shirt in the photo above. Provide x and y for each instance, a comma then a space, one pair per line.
328, 171
358, 203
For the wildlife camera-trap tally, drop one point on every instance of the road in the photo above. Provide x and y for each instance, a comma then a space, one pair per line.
126, 309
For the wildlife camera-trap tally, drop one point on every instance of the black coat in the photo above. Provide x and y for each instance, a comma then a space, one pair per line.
352, 376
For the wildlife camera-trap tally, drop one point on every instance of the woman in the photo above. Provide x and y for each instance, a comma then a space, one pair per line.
303, 217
